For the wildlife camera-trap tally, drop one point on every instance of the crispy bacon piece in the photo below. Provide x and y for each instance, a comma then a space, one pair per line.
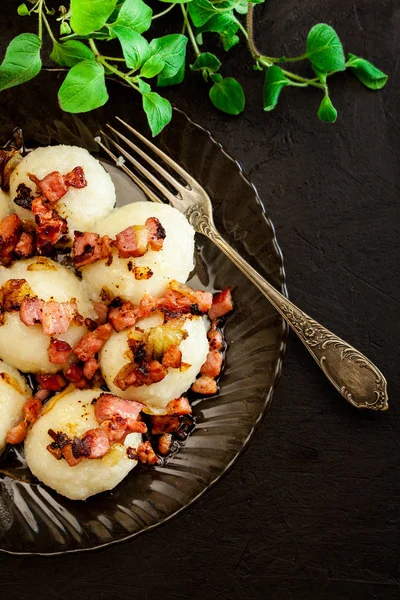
58, 351
52, 186
74, 374
172, 357
90, 367
89, 247
57, 317
50, 225
10, 233
205, 385
164, 444
30, 311
14, 291
102, 312
151, 372
52, 382
42, 394
109, 405
126, 377
26, 246
123, 317
23, 197
17, 434
179, 406
156, 233
92, 342
164, 424
147, 306
146, 454
31, 409
115, 429
221, 304
215, 339
132, 241
93, 444
75, 178
181, 299
212, 366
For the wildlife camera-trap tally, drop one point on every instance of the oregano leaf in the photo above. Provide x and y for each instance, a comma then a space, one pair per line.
22, 60
275, 81
89, 15
327, 112
324, 49
158, 111
201, 11
175, 80
152, 67
135, 14
70, 53
172, 49
366, 72
135, 48
227, 95
84, 88
208, 61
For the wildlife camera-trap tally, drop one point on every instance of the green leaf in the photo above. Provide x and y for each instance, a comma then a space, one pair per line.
158, 111
152, 67
135, 14
324, 49
327, 112
65, 29
275, 81
21, 62
227, 95
366, 72
70, 53
201, 11
224, 23
172, 48
23, 10
84, 88
144, 87
90, 15
175, 80
228, 41
135, 48
208, 61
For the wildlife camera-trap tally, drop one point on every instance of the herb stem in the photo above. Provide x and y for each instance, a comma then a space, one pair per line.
164, 12
243, 30
250, 32
113, 58
94, 48
40, 12
49, 31
190, 31
102, 59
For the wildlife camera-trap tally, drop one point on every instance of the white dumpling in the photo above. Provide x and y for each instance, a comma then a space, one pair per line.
81, 207
157, 395
174, 261
13, 392
23, 347
5, 208
72, 412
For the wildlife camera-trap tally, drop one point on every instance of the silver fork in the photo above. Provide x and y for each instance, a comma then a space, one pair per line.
357, 379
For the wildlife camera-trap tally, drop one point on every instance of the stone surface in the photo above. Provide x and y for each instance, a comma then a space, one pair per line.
311, 510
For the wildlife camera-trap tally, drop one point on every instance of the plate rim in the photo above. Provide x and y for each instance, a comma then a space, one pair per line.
267, 399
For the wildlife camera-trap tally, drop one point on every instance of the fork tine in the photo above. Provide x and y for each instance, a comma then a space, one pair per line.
174, 165
132, 175
148, 159
160, 186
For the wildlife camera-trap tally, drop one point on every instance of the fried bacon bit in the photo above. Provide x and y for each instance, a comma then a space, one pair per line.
142, 273
146, 454
92, 342
180, 299
52, 186
164, 444
10, 233
52, 382
205, 385
90, 367
74, 374
132, 241
147, 306
215, 338
50, 225
179, 406
30, 311
17, 434
102, 311
55, 317
26, 246
156, 233
93, 444
23, 197
164, 424
131, 453
115, 429
14, 291
75, 178
126, 377
109, 405
221, 304
212, 366
89, 247
123, 317
172, 358
58, 351
153, 372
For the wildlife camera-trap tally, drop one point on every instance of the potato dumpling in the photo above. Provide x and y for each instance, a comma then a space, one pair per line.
72, 412
174, 261
13, 392
81, 207
5, 207
157, 395
23, 347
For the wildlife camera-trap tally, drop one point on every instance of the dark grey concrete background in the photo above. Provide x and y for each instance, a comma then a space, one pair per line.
311, 510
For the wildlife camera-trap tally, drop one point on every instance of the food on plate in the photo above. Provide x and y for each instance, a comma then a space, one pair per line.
40, 300
127, 274
96, 314
69, 181
71, 419
13, 392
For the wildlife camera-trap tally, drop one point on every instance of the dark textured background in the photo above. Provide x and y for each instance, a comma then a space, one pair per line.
311, 510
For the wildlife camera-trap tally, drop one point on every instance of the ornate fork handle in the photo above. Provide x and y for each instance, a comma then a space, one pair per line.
357, 379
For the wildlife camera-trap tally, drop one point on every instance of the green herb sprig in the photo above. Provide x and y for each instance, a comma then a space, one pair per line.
86, 25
